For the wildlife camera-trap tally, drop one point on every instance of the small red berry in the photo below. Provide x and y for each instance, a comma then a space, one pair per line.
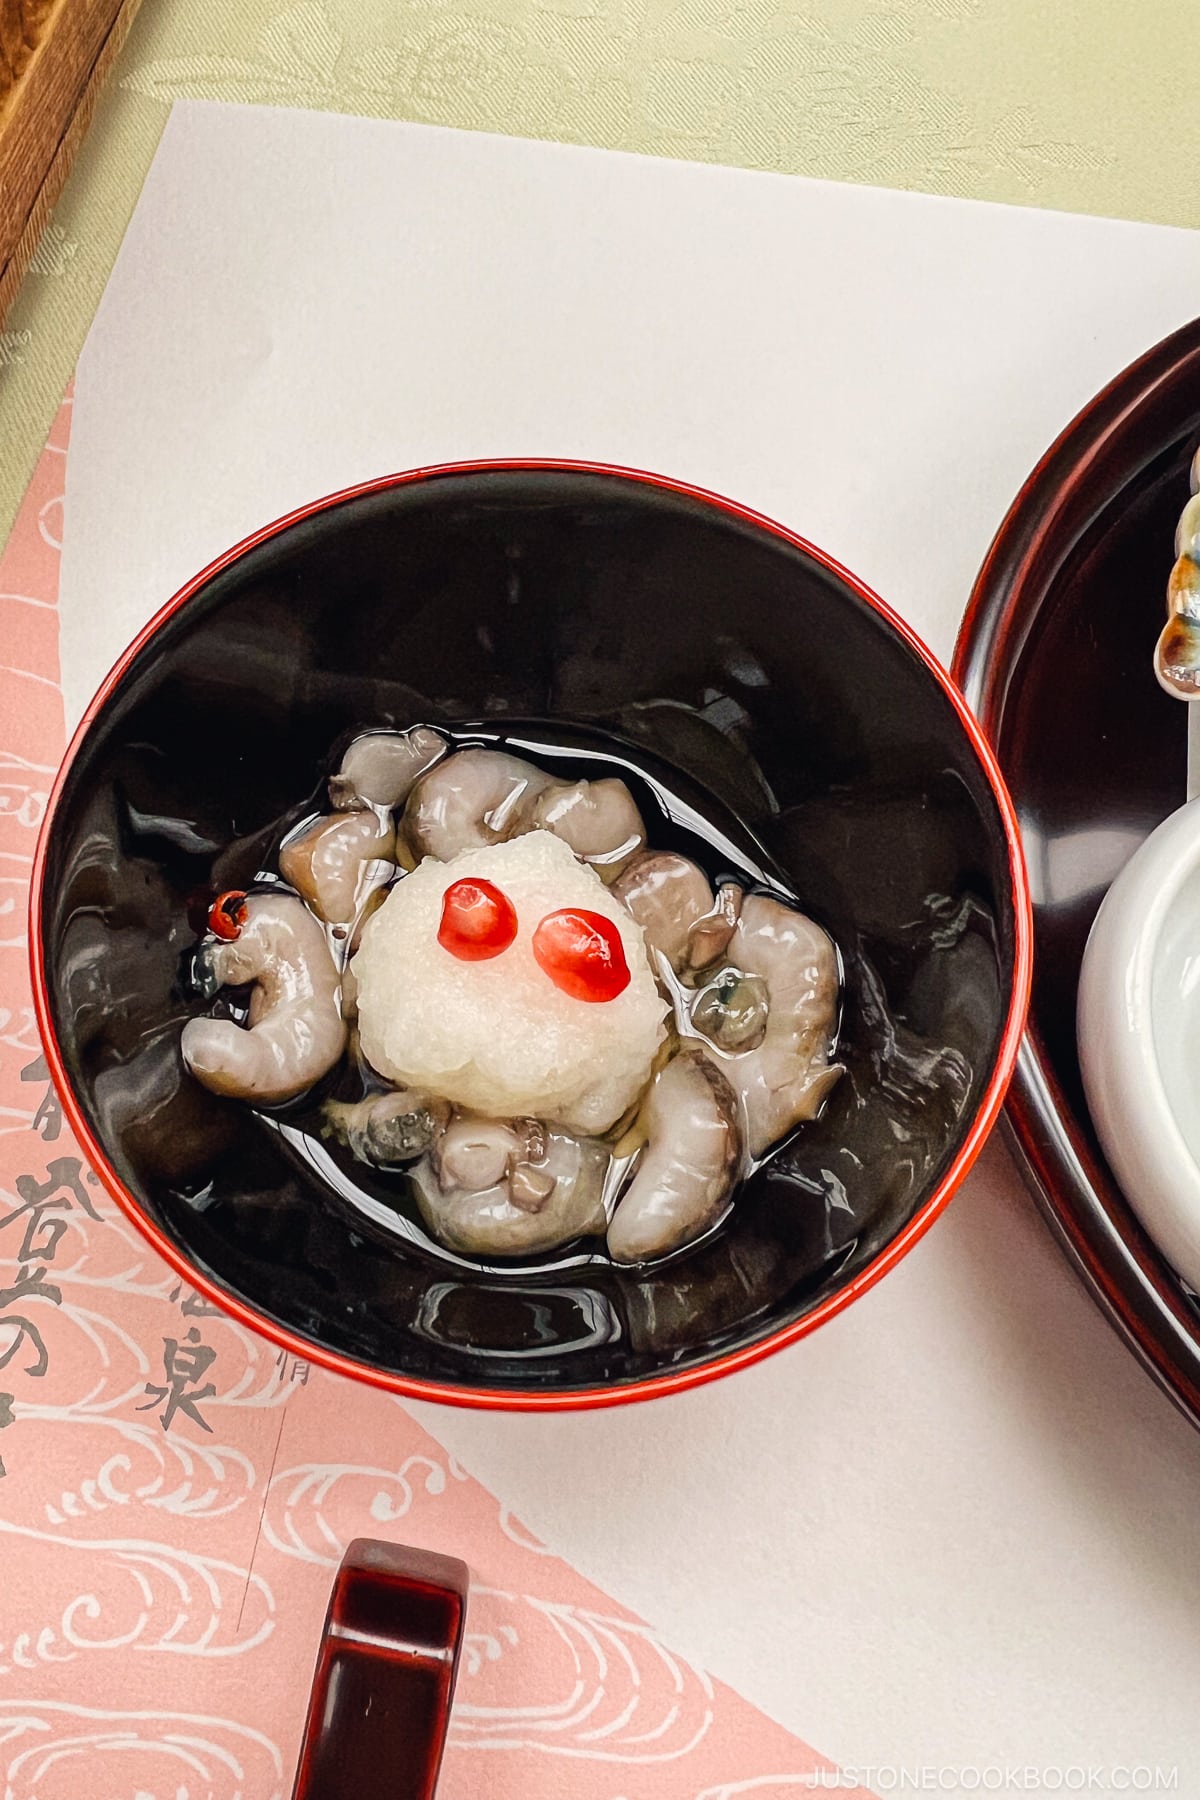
582, 953
478, 921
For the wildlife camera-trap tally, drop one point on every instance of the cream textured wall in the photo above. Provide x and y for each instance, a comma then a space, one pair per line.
1082, 104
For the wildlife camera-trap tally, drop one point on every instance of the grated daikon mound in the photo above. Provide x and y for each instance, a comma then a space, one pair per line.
498, 1037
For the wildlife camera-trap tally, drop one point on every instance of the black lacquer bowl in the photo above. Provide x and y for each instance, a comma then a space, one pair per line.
736, 676
1056, 656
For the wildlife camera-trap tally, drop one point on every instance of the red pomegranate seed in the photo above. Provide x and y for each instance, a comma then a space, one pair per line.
478, 921
582, 953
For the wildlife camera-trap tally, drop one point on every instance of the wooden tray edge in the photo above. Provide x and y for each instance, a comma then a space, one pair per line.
13, 270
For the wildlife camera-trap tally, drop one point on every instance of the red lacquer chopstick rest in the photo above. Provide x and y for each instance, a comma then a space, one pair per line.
385, 1676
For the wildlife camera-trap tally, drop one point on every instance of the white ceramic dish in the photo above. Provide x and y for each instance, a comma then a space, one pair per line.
1139, 1035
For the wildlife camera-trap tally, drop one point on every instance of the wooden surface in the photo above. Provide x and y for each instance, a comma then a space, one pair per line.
54, 55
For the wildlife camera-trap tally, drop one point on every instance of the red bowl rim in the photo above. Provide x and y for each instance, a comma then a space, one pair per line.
676, 1381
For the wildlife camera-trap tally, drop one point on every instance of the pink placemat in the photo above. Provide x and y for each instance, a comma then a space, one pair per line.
175, 1495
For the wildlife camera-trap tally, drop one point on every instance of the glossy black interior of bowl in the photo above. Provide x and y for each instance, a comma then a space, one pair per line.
736, 670
1093, 747
1056, 657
